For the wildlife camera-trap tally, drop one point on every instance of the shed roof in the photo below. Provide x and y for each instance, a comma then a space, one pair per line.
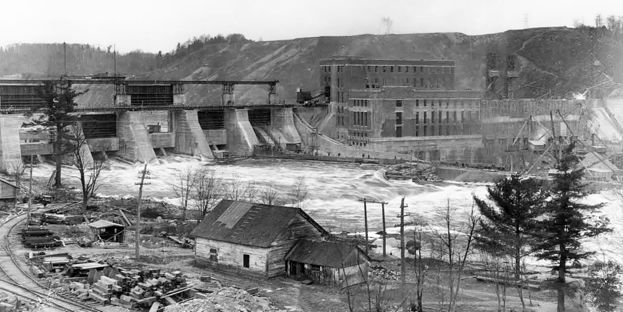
249, 224
8, 182
100, 224
326, 253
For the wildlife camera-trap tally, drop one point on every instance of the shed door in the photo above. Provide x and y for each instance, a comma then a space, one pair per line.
245, 261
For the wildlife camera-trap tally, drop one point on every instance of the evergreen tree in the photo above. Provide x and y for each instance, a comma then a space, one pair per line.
58, 104
567, 222
603, 285
507, 224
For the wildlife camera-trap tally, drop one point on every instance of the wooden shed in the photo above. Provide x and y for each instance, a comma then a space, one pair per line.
107, 231
8, 194
328, 262
251, 238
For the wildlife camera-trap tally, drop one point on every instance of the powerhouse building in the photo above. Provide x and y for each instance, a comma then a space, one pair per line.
406, 106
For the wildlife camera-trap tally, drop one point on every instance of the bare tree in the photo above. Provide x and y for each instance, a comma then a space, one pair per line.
17, 171
457, 243
207, 190
269, 196
88, 169
237, 189
299, 192
183, 187
419, 267
494, 268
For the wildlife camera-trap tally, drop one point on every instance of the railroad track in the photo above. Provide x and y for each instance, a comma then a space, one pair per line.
21, 282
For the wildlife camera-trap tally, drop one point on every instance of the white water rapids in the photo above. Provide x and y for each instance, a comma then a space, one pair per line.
334, 191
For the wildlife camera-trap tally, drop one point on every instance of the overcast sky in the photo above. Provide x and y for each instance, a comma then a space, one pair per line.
153, 25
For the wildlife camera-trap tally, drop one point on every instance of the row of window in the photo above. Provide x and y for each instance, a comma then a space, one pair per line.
361, 119
398, 69
363, 103
440, 103
465, 116
358, 138
439, 130
427, 83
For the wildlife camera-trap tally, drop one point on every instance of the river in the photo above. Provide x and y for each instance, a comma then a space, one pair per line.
334, 191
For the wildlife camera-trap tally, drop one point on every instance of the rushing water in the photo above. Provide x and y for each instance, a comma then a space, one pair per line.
334, 191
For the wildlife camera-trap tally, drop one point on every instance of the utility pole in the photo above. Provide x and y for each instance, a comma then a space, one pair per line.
402, 243
29, 193
138, 212
384, 230
365, 220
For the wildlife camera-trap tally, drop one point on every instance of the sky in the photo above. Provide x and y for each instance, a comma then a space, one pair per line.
158, 25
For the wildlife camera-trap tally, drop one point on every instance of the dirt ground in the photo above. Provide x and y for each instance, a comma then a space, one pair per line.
288, 294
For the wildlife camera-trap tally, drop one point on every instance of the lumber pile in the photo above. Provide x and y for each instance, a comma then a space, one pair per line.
40, 238
135, 289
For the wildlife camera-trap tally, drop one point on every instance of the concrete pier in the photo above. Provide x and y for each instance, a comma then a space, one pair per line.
10, 150
189, 137
241, 138
134, 141
282, 127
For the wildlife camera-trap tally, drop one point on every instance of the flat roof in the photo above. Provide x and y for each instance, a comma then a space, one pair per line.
361, 61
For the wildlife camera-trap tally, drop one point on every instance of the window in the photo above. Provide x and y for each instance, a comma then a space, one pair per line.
213, 255
245, 261
417, 103
376, 69
432, 117
424, 103
398, 131
399, 118
399, 68
398, 103
406, 69
391, 69
384, 68
425, 120
417, 118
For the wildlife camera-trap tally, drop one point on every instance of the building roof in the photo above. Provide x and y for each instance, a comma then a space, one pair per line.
8, 182
353, 60
249, 224
101, 224
326, 253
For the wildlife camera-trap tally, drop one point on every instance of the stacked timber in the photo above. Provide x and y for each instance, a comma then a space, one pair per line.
40, 238
103, 290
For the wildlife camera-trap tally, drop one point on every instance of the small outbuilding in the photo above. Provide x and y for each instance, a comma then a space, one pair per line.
252, 238
106, 231
332, 263
8, 194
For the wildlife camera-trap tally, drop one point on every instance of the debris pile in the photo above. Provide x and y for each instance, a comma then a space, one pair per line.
417, 172
380, 272
225, 299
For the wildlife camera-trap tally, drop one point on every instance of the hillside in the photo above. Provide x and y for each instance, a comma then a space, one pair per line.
554, 61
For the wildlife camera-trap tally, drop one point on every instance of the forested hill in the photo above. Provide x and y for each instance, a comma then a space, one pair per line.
552, 61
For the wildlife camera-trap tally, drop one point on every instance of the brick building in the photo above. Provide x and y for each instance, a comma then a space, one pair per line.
405, 106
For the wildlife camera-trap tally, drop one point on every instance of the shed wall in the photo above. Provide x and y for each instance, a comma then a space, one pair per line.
232, 255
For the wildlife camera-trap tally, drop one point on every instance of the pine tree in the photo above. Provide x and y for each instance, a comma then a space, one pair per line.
508, 223
58, 104
567, 222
